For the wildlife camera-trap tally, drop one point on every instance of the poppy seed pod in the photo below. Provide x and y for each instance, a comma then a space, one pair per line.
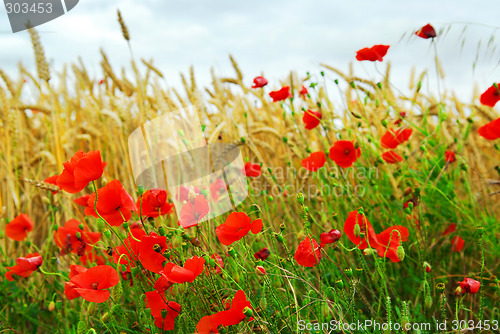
125, 226
348, 272
300, 198
248, 311
339, 284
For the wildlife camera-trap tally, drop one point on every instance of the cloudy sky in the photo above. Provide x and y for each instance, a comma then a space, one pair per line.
272, 37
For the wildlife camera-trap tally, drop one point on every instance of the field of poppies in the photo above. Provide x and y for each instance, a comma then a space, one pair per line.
375, 213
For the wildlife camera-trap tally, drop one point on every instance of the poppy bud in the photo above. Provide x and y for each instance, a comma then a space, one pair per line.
107, 234
352, 84
401, 253
195, 242
285, 140
91, 309
348, 272
260, 271
140, 190
161, 231
339, 284
243, 140
100, 224
368, 251
270, 198
105, 317
427, 267
458, 291
78, 235
231, 252
80, 227
52, 306
126, 226
28, 243
263, 303
357, 231
191, 196
248, 311
384, 123
300, 198
428, 301
308, 150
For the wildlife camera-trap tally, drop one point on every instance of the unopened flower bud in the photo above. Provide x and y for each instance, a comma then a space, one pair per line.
368, 251
357, 231
427, 267
161, 231
52, 306
260, 271
107, 234
458, 291
78, 235
195, 242
401, 253
428, 302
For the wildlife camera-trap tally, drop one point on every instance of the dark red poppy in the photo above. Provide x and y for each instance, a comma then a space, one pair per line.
344, 154
470, 285
236, 226
25, 266
280, 95
329, 237
234, 315
451, 228
18, 228
114, 204
314, 161
262, 254
311, 119
91, 283
491, 130
426, 32
391, 157
376, 52
449, 156
192, 268
392, 138
219, 265
308, 253
52, 180
491, 96
81, 169
252, 170
151, 249
72, 239
153, 203
83, 200
157, 302
259, 82
457, 244
303, 92
193, 211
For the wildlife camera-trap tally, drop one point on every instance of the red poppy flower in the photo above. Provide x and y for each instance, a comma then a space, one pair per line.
280, 95
157, 303
491, 130
151, 248
389, 240
262, 254
52, 180
457, 244
311, 119
259, 82
236, 226
329, 237
76, 269
314, 161
376, 52
193, 267
426, 32
470, 285
19, 227
451, 228
392, 157
303, 92
154, 203
91, 283
344, 153
83, 200
491, 96
252, 170
114, 204
72, 239
365, 228
193, 212
234, 315
130, 250
24, 266
449, 156
81, 169
308, 253
392, 138
219, 265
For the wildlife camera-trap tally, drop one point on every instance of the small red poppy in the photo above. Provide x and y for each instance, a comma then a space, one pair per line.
151, 249
376, 52
262, 254
457, 244
153, 203
470, 285
236, 226
491, 96
308, 253
91, 284
25, 266
72, 239
280, 95
193, 211
451, 228
303, 92
52, 180
259, 82
329, 237
392, 138
83, 200
311, 119
344, 154
449, 156
426, 32
81, 169
193, 267
314, 161
252, 170
157, 302
491, 130
392, 157
114, 204
19, 227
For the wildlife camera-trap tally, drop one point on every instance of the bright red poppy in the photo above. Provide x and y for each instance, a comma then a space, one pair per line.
76, 269
81, 169
18, 228
303, 92
449, 156
91, 284
252, 170
157, 302
259, 82
491, 130
151, 249
192, 268
308, 253
392, 138
426, 32
457, 244
451, 228
491, 96
25, 266
232, 316
376, 52
469, 285
389, 240
52, 180
114, 204
72, 239
154, 202
262, 254
329, 237
193, 211
236, 226
314, 161
311, 119
280, 95
391, 157
83, 200
130, 250
344, 154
